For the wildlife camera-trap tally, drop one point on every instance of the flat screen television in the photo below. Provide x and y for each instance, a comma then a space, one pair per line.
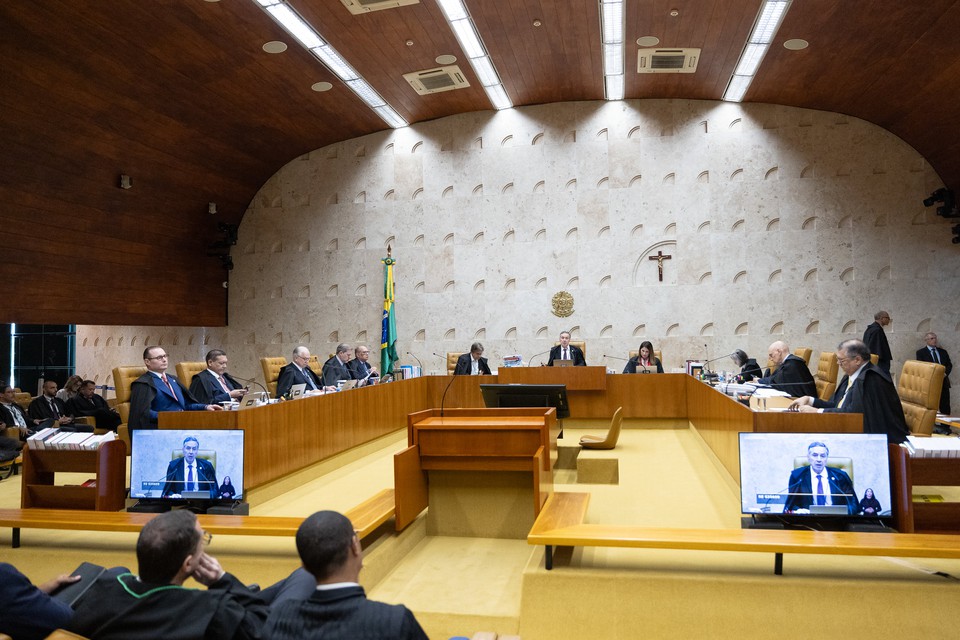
797, 477
527, 395
159, 472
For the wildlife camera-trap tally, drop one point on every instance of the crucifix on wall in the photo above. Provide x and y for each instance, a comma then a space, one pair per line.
660, 258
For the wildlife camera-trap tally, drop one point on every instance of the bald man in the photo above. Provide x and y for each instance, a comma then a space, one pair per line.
792, 375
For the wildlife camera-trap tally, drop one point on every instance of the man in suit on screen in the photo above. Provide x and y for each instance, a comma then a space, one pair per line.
190, 473
817, 484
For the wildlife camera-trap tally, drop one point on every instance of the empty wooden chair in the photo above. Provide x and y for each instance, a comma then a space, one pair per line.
610, 440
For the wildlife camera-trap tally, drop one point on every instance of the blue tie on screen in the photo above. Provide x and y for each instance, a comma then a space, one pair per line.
190, 478
821, 499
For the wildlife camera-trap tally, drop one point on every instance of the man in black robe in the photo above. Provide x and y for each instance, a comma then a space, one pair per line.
876, 340
792, 376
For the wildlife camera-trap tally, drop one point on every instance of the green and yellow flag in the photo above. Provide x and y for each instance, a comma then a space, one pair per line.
388, 334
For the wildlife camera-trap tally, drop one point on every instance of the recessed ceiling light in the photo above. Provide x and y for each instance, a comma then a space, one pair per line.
409, 43
537, 23
446, 59
796, 44
648, 41
321, 86
275, 46
674, 13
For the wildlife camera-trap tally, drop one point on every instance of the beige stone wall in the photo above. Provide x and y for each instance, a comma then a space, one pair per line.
780, 223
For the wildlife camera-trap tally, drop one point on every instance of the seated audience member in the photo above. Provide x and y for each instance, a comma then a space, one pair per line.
749, 369
360, 367
933, 352
792, 376
70, 388
154, 604
865, 388
157, 391
297, 372
47, 409
567, 351
644, 361
13, 416
214, 385
28, 611
337, 606
335, 369
473, 363
89, 403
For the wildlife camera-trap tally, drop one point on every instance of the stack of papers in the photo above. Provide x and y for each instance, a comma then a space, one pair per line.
53, 438
933, 447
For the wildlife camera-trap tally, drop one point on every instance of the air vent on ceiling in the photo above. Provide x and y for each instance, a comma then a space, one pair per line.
357, 7
667, 60
437, 80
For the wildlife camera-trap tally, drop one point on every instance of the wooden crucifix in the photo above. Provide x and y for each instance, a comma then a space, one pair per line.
660, 258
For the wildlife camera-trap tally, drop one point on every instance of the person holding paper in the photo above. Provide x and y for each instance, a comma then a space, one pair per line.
360, 367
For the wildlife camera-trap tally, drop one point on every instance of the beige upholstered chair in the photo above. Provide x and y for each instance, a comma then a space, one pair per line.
610, 440
22, 398
271, 372
919, 390
316, 366
186, 371
123, 377
805, 353
827, 374
874, 358
452, 357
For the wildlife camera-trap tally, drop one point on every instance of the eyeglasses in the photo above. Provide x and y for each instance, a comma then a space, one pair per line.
207, 538
163, 357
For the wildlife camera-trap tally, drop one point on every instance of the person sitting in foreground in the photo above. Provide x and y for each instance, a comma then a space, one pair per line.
155, 604
29, 613
338, 607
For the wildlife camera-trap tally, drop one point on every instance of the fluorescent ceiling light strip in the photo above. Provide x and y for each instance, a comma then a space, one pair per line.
453, 9
295, 25
613, 87
612, 22
737, 88
498, 97
750, 59
468, 38
485, 72
300, 29
613, 59
764, 30
769, 21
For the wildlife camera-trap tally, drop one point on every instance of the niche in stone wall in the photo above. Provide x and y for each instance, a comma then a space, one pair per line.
850, 326
742, 329
420, 336
777, 329
813, 328
640, 331
451, 334
673, 330
707, 329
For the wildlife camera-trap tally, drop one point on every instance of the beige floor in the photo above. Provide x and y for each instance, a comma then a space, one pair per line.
457, 586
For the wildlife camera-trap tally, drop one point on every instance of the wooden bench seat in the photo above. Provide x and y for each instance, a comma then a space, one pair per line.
366, 517
561, 524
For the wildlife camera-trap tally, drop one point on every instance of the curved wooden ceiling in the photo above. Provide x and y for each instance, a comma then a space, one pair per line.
179, 95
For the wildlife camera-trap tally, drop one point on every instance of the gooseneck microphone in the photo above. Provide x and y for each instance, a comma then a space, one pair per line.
444, 396
532, 358
616, 358
252, 381
418, 361
720, 358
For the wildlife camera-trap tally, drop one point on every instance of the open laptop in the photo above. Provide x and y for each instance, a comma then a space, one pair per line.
348, 384
563, 363
296, 391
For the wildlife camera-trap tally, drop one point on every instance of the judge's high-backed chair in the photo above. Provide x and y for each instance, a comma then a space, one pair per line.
123, 377
805, 353
919, 391
316, 366
271, 372
576, 343
186, 371
827, 374
22, 398
452, 358
874, 358
610, 440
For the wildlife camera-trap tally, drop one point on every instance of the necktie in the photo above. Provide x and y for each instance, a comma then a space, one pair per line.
566, 353
223, 383
849, 383
169, 386
310, 385
190, 478
53, 408
936, 356
821, 499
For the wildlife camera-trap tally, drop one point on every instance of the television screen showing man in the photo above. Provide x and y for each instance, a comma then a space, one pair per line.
818, 485
191, 475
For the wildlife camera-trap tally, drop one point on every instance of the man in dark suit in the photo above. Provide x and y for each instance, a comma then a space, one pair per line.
298, 371
792, 376
47, 410
472, 363
865, 388
88, 403
876, 339
360, 367
331, 553
13, 416
190, 473
335, 369
29, 613
214, 385
157, 391
153, 604
566, 351
818, 484
933, 352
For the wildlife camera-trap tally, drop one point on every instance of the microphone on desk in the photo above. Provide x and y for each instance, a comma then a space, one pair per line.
532, 358
418, 361
254, 382
615, 357
444, 396
720, 358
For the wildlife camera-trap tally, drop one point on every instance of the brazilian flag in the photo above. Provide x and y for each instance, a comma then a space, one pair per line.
388, 334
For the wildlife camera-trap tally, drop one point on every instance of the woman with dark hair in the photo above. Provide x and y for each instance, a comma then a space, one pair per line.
644, 361
227, 490
749, 369
869, 506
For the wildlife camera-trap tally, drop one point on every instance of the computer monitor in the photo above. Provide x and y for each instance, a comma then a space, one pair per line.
159, 471
527, 395
796, 477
